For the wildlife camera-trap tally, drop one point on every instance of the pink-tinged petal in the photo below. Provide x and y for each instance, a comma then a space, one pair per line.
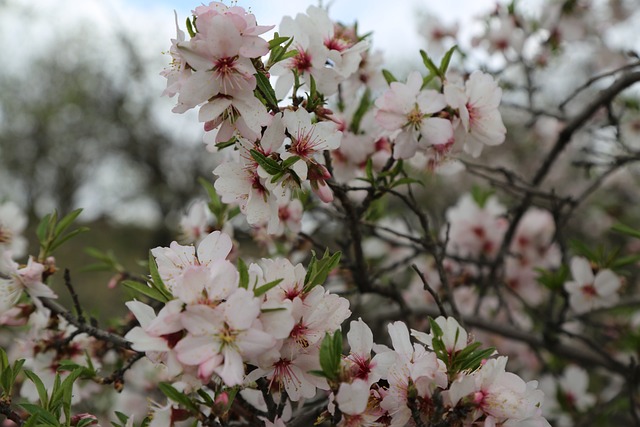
254, 47
436, 131
223, 281
198, 88
352, 398
252, 111
581, 271
253, 342
202, 320
144, 313
215, 246
194, 350
195, 59
405, 146
213, 108
390, 120
607, 283
430, 101
277, 323
40, 290
241, 309
284, 84
232, 370
274, 135
225, 41
400, 339
360, 338
190, 286
169, 319
209, 366
142, 341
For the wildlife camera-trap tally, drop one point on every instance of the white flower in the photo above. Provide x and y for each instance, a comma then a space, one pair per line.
477, 105
407, 112
14, 280
588, 292
12, 224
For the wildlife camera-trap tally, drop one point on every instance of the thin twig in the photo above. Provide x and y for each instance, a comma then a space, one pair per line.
429, 289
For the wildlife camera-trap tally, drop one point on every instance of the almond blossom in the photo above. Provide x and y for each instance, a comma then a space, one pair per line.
12, 224
220, 338
317, 45
477, 106
589, 291
14, 280
409, 113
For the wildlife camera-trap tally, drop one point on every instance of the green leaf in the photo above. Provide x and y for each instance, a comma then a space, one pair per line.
62, 240
258, 292
244, 274
269, 165
178, 397
363, 107
389, 77
225, 144
43, 226
319, 270
66, 222
331, 355
290, 162
123, 418
431, 66
40, 388
32, 421
474, 360
625, 229
553, 280
158, 284
190, 28
144, 289
405, 181
481, 195
42, 413
277, 40
444, 65
263, 85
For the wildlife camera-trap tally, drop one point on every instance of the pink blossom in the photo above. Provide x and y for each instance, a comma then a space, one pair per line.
408, 112
588, 291
477, 105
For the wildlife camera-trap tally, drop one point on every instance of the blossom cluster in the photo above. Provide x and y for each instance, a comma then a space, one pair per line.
217, 321
279, 146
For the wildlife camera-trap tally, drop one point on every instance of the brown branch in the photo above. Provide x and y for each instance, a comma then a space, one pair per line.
581, 355
100, 334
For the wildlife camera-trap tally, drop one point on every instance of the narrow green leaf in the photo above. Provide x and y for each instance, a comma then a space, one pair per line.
263, 85
319, 270
190, 28
390, 78
258, 292
41, 231
475, 359
625, 229
178, 397
143, 289
42, 413
269, 165
66, 222
428, 62
290, 162
444, 65
158, 284
277, 40
59, 241
405, 181
363, 107
244, 274
40, 388
329, 359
